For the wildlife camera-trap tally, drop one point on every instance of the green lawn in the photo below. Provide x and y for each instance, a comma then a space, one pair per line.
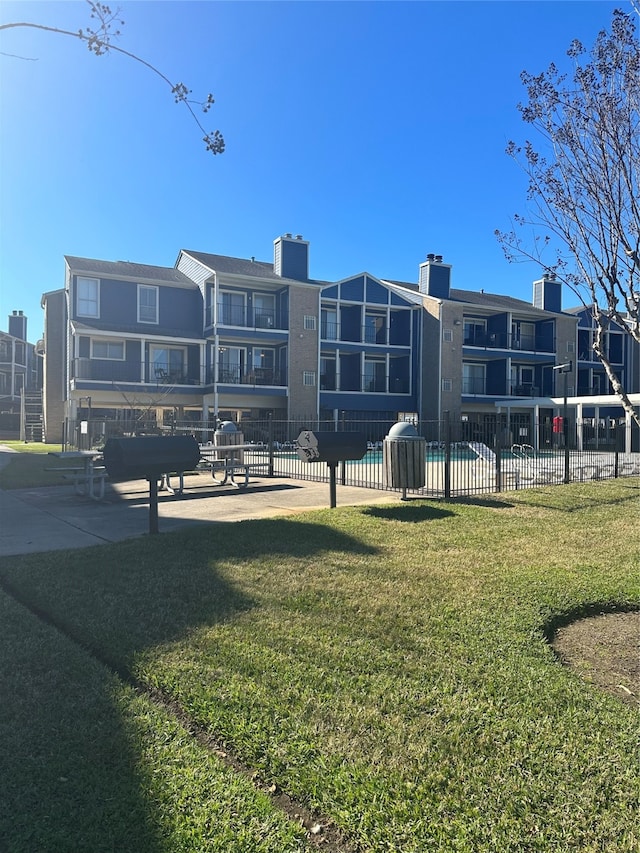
387, 666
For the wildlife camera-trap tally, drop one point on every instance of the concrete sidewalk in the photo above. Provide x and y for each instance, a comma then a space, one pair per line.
54, 517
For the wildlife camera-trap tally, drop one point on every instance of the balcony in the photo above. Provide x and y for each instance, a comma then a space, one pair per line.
147, 373
368, 384
374, 335
504, 340
255, 376
526, 389
246, 318
329, 331
473, 385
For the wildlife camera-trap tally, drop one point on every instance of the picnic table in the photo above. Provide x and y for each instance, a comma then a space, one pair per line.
226, 463
88, 478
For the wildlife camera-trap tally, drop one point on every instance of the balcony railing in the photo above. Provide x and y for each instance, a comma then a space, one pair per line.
474, 386
161, 374
252, 376
368, 385
371, 335
504, 340
526, 389
246, 318
594, 390
329, 331
148, 373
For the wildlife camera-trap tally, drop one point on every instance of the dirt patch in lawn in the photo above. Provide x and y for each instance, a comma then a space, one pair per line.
605, 650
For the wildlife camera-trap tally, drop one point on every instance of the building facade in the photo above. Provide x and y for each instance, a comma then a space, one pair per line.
20, 379
231, 338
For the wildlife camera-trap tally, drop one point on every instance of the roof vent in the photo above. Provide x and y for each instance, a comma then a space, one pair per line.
287, 235
298, 236
431, 257
439, 259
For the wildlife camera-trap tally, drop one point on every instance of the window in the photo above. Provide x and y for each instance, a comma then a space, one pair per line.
329, 324
262, 365
523, 335
308, 377
264, 310
327, 373
475, 332
108, 349
446, 385
147, 304
522, 379
375, 327
309, 323
375, 376
571, 346
232, 309
615, 347
473, 378
447, 335
88, 291
168, 364
232, 364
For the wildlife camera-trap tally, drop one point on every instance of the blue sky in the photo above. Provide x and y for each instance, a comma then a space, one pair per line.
375, 129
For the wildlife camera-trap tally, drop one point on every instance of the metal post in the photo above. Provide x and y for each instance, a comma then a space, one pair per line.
565, 369
153, 505
270, 440
566, 428
332, 483
447, 455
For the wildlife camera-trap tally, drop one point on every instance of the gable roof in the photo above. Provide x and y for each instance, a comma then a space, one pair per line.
494, 300
126, 269
243, 266
489, 301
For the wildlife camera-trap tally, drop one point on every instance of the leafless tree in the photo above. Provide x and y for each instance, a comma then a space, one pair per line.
99, 38
583, 217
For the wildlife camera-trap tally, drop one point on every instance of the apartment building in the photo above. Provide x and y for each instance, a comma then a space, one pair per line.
20, 380
225, 337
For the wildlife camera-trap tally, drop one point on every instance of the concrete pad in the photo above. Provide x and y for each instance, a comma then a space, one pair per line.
55, 517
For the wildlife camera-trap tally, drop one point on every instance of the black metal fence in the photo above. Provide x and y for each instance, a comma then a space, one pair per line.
460, 458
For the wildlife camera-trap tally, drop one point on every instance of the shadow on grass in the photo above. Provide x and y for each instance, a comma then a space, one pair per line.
68, 776
69, 753
120, 599
490, 503
414, 513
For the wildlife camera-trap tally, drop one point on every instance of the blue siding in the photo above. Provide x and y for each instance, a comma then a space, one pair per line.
398, 300
180, 309
352, 290
294, 259
376, 292
439, 281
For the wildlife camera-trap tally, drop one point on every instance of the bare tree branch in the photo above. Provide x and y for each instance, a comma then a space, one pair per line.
100, 41
583, 191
